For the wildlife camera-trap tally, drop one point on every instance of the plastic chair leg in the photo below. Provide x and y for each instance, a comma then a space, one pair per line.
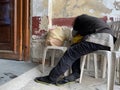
111, 72
43, 59
104, 66
83, 58
88, 61
52, 59
95, 65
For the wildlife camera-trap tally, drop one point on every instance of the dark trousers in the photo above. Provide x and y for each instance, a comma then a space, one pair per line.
71, 58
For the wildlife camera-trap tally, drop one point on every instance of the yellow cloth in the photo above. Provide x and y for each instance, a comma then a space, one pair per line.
77, 39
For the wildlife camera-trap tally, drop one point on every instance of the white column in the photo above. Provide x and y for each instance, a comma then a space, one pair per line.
50, 13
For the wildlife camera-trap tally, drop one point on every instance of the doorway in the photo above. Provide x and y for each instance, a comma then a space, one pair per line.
14, 29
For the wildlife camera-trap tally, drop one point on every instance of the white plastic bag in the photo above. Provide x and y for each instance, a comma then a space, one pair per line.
55, 37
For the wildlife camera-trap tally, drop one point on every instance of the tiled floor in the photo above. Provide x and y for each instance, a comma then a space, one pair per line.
10, 69
25, 82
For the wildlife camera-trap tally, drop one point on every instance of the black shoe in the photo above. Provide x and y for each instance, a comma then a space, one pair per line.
44, 80
67, 79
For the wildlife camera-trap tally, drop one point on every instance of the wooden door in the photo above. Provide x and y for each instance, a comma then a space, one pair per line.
14, 29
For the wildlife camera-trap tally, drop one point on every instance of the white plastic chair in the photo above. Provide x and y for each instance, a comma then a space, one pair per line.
84, 59
116, 56
111, 57
116, 52
106, 54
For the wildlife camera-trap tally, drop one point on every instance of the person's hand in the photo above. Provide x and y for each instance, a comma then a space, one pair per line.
74, 33
77, 38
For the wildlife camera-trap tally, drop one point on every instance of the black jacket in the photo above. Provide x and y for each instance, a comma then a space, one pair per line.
85, 25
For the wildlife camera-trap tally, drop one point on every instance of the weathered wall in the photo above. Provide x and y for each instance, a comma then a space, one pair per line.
39, 13
72, 8
64, 9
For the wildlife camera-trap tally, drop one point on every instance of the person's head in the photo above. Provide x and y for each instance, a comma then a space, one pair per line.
78, 21
77, 24
86, 24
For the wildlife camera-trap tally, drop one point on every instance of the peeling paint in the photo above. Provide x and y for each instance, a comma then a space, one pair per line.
71, 8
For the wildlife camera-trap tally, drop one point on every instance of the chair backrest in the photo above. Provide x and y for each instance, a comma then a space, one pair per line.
117, 45
115, 25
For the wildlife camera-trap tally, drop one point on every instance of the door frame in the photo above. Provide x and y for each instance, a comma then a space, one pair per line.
26, 29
